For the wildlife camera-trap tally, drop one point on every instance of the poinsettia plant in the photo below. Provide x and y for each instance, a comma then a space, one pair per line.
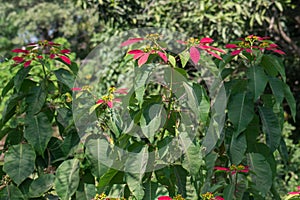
172, 138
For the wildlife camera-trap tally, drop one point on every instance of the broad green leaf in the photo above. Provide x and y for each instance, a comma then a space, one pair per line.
7, 87
238, 147
135, 185
181, 178
67, 179
277, 88
192, 100
290, 100
36, 99
151, 120
150, 190
11, 192
94, 153
141, 77
19, 162
203, 102
172, 60
20, 76
184, 58
262, 173
240, 111
193, 160
257, 81
137, 162
229, 192
38, 132
271, 127
271, 63
65, 77
41, 185
106, 178
85, 191
10, 107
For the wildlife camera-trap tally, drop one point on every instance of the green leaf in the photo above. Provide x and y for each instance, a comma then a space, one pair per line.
19, 162
107, 177
64, 76
11, 192
41, 185
193, 160
271, 63
141, 77
7, 87
137, 161
262, 174
184, 58
229, 192
240, 111
238, 147
94, 153
67, 179
172, 60
36, 98
277, 88
20, 76
290, 100
38, 132
257, 81
181, 179
86, 191
135, 185
10, 107
151, 120
271, 127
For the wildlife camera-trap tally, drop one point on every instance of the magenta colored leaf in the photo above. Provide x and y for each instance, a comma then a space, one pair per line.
53, 44
217, 49
131, 41
137, 56
76, 89
206, 40
231, 46
20, 51
100, 101
236, 52
18, 59
143, 59
110, 104
249, 50
164, 198
27, 63
117, 100
163, 56
279, 51
65, 51
40, 57
135, 51
66, 59
194, 54
214, 54
52, 56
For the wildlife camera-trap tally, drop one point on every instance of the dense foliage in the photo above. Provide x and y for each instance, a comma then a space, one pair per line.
241, 140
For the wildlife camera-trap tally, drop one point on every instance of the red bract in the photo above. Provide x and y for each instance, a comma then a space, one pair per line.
142, 56
253, 42
233, 169
109, 103
164, 198
35, 51
195, 45
131, 41
295, 192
